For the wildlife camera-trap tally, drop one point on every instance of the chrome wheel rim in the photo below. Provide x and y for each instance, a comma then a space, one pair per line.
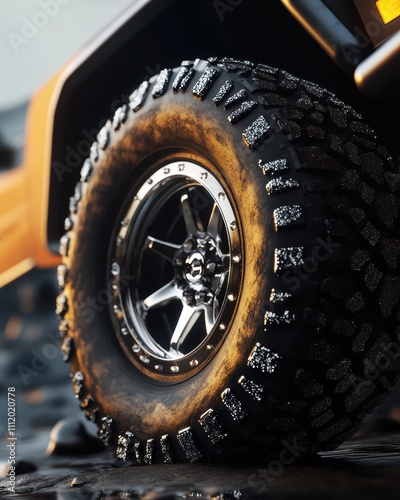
175, 270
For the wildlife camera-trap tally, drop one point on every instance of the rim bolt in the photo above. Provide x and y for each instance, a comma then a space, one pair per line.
115, 269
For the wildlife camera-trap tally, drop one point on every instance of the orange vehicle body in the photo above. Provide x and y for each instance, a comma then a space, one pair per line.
24, 193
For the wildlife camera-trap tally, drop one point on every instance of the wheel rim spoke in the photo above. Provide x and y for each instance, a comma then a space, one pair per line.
186, 321
226, 264
189, 217
161, 296
209, 317
214, 223
163, 248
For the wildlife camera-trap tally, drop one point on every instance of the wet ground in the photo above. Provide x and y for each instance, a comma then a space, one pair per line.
59, 456
359, 469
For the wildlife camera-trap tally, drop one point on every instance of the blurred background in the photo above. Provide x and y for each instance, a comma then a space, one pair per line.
37, 38
60, 29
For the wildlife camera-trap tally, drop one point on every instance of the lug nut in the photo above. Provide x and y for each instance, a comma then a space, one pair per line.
189, 245
189, 297
179, 261
211, 266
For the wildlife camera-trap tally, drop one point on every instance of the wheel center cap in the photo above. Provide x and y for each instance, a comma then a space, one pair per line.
194, 267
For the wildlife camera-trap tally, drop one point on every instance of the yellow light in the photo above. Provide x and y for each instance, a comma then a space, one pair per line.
388, 9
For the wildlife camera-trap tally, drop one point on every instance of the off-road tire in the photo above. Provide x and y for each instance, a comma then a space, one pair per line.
311, 344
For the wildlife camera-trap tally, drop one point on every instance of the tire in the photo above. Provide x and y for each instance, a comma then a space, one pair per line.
260, 201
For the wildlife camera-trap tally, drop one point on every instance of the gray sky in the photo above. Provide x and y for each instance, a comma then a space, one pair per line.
37, 37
